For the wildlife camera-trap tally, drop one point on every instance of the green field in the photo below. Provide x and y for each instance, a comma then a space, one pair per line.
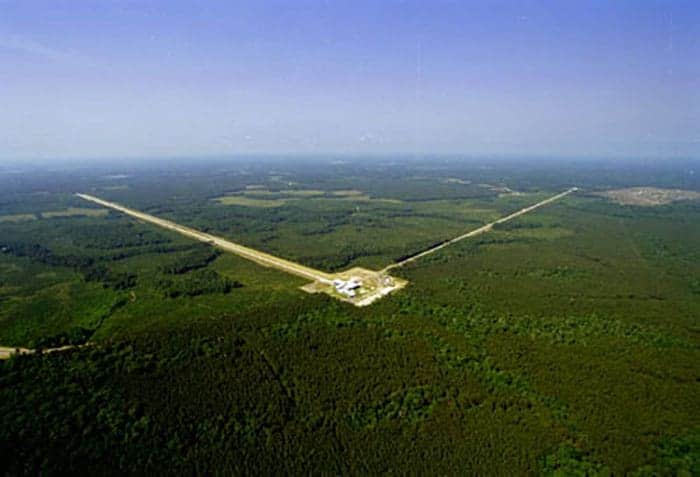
74, 211
565, 342
250, 201
17, 217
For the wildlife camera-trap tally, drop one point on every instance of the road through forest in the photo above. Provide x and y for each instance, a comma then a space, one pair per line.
480, 230
295, 268
251, 254
275, 262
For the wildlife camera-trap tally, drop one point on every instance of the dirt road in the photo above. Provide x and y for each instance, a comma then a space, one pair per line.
6, 351
480, 230
261, 258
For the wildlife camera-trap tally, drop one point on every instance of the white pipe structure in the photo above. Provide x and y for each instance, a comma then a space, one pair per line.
480, 230
261, 258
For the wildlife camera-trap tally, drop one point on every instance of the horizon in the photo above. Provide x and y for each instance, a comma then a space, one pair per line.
586, 79
341, 158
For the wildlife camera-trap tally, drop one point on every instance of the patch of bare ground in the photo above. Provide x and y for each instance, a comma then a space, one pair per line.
6, 352
649, 196
501, 189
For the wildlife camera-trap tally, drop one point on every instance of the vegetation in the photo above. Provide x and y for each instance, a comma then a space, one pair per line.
199, 257
200, 282
563, 343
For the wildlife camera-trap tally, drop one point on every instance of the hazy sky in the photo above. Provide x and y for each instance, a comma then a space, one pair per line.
146, 78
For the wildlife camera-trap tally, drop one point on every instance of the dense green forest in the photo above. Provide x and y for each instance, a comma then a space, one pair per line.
565, 342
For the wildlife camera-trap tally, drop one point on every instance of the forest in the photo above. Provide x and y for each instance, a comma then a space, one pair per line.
565, 342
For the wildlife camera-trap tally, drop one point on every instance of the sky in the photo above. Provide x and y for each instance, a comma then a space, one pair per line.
110, 79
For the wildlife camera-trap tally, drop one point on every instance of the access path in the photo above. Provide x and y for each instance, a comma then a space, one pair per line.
246, 252
480, 230
7, 351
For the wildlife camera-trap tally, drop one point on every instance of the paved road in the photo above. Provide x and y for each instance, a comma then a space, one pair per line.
480, 230
251, 254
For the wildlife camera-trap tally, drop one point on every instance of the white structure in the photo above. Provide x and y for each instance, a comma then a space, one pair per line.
347, 288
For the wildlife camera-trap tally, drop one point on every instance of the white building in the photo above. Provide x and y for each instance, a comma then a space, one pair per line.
347, 288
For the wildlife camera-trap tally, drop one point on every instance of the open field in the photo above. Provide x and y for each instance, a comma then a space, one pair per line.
250, 201
259, 196
649, 196
73, 211
17, 217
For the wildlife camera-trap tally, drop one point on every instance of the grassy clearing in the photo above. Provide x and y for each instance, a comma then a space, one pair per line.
456, 180
116, 187
250, 202
271, 199
284, 193
348, 193
17, 217
302, 193
649, 196
74, 212
364, 198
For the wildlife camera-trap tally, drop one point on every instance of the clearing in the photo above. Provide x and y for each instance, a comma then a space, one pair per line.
649, 196
74, 212
259, 196
17, 217
249, 201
